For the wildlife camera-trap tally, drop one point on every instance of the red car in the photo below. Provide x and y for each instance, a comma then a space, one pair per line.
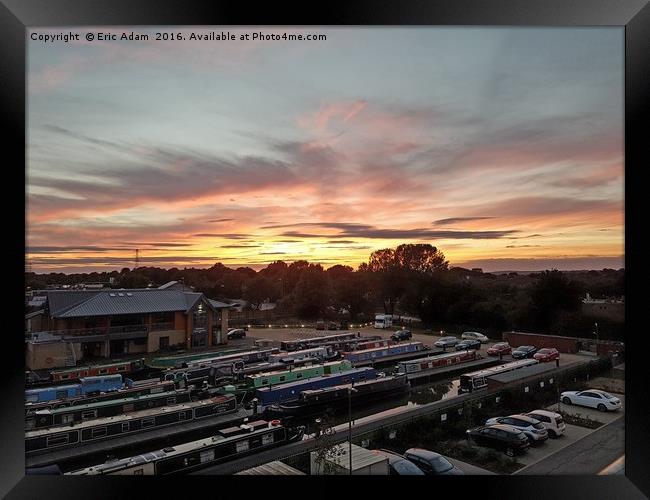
547, 354
500, 348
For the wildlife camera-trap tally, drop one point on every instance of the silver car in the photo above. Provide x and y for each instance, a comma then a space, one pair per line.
475, 336
532, 428
447, 342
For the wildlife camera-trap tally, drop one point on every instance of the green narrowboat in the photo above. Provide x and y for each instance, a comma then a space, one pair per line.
257, 381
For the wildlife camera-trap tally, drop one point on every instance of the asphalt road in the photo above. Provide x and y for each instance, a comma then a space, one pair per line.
587, 455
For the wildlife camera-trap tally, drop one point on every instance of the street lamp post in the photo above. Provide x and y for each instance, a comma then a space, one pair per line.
350, 390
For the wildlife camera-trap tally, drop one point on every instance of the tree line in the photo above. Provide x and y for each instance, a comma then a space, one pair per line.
411, 279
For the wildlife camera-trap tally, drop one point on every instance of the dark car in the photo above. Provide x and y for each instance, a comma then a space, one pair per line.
401, 335
398, 465
524, 351
465, 345
500, 436
431, 463
236, 333
320, 325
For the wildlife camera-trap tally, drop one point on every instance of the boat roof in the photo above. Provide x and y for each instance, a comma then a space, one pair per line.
383, 348
171, 451
431, 358
314, 379
497, 369
112, 402
127, 416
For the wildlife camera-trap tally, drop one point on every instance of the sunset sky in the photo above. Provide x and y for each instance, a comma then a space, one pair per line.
501, 146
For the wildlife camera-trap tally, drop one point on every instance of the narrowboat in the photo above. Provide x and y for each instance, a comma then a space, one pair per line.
289, 392
101, 429
323, 353
270, 379
478, 379
82, 412
348, 345
87, 386
227, 444
246, 354
384, 354
294, 345
121, 367
316, 401
421, 367
141, 390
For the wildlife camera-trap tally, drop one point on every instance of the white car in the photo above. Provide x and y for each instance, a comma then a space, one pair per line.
533, 428
475, 336
592, 398
553, 422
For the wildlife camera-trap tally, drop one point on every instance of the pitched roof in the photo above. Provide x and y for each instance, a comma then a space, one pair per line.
71, 304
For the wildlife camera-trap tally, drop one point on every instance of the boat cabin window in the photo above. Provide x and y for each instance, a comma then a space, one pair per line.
57, 440
61, 394
66, 419
88, 414
127, 408
148, 422
103, 371
125, 426
99, 432
171, 401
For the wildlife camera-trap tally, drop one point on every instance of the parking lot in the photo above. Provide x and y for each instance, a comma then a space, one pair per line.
276, 335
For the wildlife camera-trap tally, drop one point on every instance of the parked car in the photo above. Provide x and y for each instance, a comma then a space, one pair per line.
553, 422
320, 325
401, 335
332, 326
532, 428
398, 465
547, 354
474, 336
524, 351
431, 463
445, 342
499, 348
236, 333
499, 436
464, 345
592, 398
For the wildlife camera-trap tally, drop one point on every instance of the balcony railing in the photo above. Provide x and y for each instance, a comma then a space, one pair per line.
162, 326
98, 333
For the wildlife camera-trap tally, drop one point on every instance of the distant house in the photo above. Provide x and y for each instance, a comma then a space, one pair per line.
78, 324
609, 308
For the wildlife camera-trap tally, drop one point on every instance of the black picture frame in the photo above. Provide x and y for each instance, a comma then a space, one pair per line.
632, 15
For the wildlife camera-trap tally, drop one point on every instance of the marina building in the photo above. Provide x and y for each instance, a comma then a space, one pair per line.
83, 324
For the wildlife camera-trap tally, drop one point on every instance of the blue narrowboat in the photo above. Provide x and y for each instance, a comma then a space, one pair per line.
292, 390
382, 353
86, 386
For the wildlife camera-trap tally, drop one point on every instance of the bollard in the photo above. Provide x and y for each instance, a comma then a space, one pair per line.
557, 362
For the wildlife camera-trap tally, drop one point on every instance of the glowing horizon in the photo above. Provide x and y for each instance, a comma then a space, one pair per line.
502, 147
